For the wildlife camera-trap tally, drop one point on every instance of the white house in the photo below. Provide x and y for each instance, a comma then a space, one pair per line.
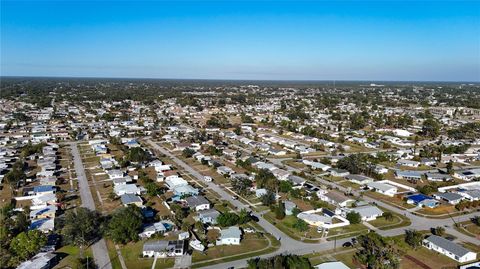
359, 179
127, 189
408, 163
383, 188
449, 249
368, 212
230, 236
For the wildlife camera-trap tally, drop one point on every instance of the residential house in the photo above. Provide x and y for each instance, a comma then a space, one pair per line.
383, 188
131, 199
122, 189
449, 249
289, 207
438, 177
42, 260
158, 227
208, 216
198, 202
336, 198
230, 236
422, 200
408, 175
359, 179
225, 170
281, 174
42, 213
335, 172
449, 197
368, 212
408, 163
164, 248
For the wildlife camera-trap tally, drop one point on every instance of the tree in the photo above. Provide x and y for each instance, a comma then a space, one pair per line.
430, 128
241, 185
300, 225
125, 224
268, 199
376, 252
188, 152
450, 170
265, 179
200, 227
413, 238
244, 216
81, 228
354, 217
285, 186
227, 219
137, 155
86, 263
26, 244
439, 231
428, 189
388, 215
476, 220
153, 189
16, 174
280, 210
280, 262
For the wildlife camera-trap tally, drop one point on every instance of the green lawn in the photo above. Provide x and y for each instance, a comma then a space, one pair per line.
250, 243
383, 224
286, 225
69, 256
131, 253
346, 231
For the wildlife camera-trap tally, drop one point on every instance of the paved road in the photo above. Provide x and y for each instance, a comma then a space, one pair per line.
99, 249
289, 245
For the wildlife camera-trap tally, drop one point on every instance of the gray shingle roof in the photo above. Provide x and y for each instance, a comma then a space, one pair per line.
194, 201
130, 198
448, 245
449, 196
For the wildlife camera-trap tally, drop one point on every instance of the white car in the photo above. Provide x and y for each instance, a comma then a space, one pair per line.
208, 179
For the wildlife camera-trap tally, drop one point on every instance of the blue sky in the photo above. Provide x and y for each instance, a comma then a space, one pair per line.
313, 40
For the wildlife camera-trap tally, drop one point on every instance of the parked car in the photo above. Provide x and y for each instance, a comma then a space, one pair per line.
347, 245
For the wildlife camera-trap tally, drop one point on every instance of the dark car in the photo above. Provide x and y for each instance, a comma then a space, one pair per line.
347, 245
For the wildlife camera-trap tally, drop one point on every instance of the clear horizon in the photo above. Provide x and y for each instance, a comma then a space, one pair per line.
290, 41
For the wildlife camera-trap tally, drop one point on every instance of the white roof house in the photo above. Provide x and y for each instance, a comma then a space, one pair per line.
230, 236
127, 189
383, 188
175, 181
359, 179
368, 212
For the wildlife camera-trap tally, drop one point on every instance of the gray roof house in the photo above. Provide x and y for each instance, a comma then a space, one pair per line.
449, 249
359, 179
289, 206
198, 202
208, 216
164, 248
131, 199
450, 197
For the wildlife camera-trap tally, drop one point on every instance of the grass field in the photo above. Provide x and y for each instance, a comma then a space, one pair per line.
131, 254
249, 243
286, 225
69, 256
